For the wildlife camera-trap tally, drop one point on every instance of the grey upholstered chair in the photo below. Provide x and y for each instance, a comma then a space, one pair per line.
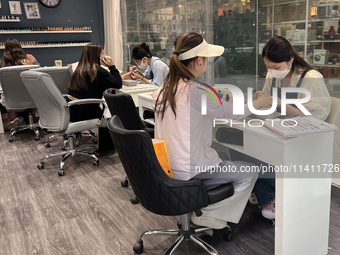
55, 115
17, 97
62, 77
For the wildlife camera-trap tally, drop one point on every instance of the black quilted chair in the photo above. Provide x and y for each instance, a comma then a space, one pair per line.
159, 193
123, 106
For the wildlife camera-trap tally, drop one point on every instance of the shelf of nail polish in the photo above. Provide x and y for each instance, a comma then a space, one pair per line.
9, 18
42, 30
38, 44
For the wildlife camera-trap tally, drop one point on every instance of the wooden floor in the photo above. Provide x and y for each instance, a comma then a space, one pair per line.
88, 212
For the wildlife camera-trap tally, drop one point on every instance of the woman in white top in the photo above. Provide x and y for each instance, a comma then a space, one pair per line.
188, 133
156, 68
287, 69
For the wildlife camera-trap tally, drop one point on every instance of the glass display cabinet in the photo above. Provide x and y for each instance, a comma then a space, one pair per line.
242, 27
313, 30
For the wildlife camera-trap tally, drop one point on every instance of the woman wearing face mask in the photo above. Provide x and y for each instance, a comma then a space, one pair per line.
156, 68
287, 69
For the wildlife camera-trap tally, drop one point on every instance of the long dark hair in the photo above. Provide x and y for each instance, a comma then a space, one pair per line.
87, 68
14, 54
278, 49
177, 70
141, 51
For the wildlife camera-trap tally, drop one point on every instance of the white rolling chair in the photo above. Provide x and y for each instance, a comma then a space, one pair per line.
55, 115
17, 97
62, 77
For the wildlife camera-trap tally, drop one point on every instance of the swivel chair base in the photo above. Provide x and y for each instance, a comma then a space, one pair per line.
185, 232
89, 133
68, 152
31, 126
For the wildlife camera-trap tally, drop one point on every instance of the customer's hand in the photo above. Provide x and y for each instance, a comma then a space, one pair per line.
137, 75
263, 102
127, 76
258, 94
31, 58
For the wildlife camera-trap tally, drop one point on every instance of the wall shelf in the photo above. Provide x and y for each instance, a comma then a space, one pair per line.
51, 45
284, 3
43, 32
327, 65
9, 20
323, 41
300, 21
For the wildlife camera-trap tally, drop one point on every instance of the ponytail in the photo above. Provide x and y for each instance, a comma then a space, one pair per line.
141, 51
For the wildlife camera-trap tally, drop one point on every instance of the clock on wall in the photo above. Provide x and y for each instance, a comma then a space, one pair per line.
50, 3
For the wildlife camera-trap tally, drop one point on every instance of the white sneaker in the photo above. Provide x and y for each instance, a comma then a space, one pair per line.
253, 199
269, 211
16, 122
206, 221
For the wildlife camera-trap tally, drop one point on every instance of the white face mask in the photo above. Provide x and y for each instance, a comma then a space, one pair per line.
279, 74
143, 64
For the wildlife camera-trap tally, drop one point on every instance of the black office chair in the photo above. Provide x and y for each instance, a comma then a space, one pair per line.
159, 193
123, 106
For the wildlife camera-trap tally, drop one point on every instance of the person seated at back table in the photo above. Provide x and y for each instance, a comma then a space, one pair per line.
90, 80
14, 55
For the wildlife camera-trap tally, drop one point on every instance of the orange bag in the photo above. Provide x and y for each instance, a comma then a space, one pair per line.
162, 155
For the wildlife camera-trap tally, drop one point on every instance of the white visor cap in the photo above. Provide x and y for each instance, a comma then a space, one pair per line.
202, 50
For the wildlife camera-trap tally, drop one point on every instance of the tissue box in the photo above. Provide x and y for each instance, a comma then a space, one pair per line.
129, 82
320, 57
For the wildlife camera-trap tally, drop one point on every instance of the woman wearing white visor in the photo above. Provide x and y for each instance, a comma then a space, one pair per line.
188, 133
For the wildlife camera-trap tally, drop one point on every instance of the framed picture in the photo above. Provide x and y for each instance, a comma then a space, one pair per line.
32, 10
14, 7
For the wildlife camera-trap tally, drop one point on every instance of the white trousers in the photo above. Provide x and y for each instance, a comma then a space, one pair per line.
232, 208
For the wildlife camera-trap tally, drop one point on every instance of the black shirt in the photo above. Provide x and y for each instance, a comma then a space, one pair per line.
95, 89
103, 81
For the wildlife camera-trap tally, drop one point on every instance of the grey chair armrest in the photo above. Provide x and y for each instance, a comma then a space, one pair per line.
85, 101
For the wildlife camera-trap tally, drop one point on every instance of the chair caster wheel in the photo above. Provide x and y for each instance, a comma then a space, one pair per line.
10, 139
41, 166
47, 145
271, 222
37, 138
96, 162
138, 247
61, 173
124, 183
134, 200
228, 235
94, 141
